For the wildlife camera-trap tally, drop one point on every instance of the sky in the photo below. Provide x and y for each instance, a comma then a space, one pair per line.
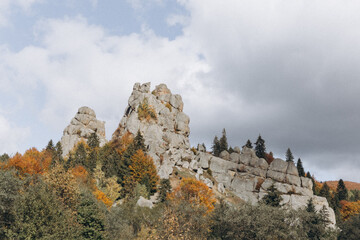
285, 69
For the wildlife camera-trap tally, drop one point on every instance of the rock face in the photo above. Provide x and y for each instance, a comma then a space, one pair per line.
81, 127
164, 126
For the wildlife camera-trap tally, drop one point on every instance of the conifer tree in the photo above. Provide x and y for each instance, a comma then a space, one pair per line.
139, 142
342, 190
50, 145
248, 144
260, 148
164, 189
231, 150
300, 168
289, 156
273, 198
216, 147
57, 157
325, 191
80, 155
223, 142
93, 140
310, 206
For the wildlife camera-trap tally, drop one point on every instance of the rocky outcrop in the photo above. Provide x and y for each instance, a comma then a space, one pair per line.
159, 117
249, 178
80, 128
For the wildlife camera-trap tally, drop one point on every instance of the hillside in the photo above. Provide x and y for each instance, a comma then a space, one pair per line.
349, 185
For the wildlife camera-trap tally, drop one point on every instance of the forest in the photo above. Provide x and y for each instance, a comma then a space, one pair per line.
93, 194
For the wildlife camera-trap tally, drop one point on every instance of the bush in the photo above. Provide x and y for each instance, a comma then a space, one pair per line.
146, 111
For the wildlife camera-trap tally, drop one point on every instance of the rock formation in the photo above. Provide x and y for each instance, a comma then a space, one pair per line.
81, 127
249, 177
159, 117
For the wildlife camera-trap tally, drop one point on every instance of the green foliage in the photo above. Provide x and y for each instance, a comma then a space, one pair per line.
310, 206
350, 230
315, 224
300, 168
325, 192
9, 193
216, 147
40, 215
110, 160
341, 190
273, 198
92, 158
289, 156
57, 155
146, 111
80, 155
260, 148
355, 195
223, 142
4, 158
141, 191
91, 216
93, 140
231, 150
248, 144
164, 189
263, 222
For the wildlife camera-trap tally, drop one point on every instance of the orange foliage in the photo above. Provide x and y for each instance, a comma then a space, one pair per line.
143, 170
269, 158
195, 192
349, 209
124, 142
80, 173
349, 185
102, 197
32, 162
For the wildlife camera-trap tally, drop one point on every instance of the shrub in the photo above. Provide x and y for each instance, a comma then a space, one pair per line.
146, 111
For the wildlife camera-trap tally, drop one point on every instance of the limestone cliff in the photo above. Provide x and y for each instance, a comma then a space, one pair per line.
81, 127
159, 116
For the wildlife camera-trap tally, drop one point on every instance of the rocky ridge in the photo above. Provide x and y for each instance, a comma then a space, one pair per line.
165, 133
80, 128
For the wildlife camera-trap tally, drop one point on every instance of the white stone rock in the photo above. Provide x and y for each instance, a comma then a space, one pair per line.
278, 165
143, 202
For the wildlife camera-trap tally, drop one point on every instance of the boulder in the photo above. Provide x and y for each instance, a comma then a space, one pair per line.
292, 169
237, 150
225, 155
277, 176
218, 165
306, 183
278, 165
293, 179
143, 202
234, 157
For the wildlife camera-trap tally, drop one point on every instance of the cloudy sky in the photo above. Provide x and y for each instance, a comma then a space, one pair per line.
286, 69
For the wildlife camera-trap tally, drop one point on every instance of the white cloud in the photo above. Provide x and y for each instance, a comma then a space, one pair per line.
6, 8
79, 64
11, 136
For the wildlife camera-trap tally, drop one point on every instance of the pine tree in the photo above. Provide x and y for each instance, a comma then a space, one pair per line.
342, 190
216, 147
273, 198
325, 191
57, 157
93, 140
310, 206
80, 155
231, 150
248, 144
139, 142
289, 156
223, 142
300, 168
260, 148
50, 145
164, 189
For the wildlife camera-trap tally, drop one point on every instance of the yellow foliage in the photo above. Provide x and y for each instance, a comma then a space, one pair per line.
124, 142
143, 171
349, 209
64, 185
102, 197
80, 173
146, 111
195, 192
168, 106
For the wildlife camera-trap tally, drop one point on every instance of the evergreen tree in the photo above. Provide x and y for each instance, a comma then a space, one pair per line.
308, 175
231, 150
110, 160
310, 207
80, 155
260, 148
4, 158
223, 142
289, 156
350, 229
300, 168
50, 145
57, 156
342, 190
93, 140
92, 159
70, 163
91, 217
139, 142
273, 198
203, 144
248, 144
216, 147
164, 189
325, 191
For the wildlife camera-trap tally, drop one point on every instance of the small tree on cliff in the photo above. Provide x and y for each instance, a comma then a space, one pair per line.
223, 142
289, 156
300, 168
216, 147
248, 144
260, 148
273, 198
